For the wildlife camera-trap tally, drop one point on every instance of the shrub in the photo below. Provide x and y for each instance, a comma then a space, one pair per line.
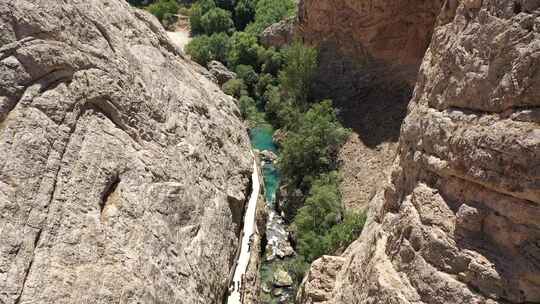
270, 60
217, 20
296, 267
297, 75
243, 50
281, 112
311, 144
321, 225
139, 3
226, 4
164, 10
235, 88
248, 108
321, 211
198, 10
204, 49
265, 82
248, 75
268, 12
346, 232
244, 13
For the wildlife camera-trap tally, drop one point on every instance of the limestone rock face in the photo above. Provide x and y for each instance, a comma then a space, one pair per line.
123, 170
280, 34
394, 31
318, 284
458, 220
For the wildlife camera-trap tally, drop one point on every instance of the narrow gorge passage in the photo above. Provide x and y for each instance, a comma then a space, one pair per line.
249, 229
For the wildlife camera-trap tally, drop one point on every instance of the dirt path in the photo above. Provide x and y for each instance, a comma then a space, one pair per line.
181, 34
180, 38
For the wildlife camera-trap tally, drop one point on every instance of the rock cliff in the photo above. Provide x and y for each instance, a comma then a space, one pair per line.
458, 219
123, 170
370, 52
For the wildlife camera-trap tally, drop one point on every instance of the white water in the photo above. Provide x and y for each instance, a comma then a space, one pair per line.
249, 229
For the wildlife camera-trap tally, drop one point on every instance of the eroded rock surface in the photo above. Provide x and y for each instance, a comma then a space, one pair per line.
221, 73
318, 284
458, 221
280, 34
123, 170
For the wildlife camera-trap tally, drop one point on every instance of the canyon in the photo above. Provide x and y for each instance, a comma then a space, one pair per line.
126, 173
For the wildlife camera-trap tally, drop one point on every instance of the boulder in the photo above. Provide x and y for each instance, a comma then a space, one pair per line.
319, 282
220, 72
279, 34
282, 278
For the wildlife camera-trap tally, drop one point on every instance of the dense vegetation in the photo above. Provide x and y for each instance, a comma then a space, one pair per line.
273, 88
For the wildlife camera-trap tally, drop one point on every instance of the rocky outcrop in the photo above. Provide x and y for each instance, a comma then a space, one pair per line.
123, 170
318, 284
220, 72
280, 34
458, 220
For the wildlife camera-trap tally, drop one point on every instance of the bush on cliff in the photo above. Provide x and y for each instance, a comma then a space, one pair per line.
235, 88
203, 49
164, 10
244, 13
244, 50
268, 12
217, 20
322, 225
198, 10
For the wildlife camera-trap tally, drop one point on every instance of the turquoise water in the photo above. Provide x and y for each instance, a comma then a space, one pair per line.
261, 139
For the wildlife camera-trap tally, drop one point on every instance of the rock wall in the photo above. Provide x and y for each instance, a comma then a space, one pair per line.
396, 32
458, 220
123, 170
369, 52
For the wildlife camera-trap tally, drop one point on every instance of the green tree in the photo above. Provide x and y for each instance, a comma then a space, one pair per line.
268, 12
270, 60
217, 20
298, 72
203, 49
226, 4
244, 13
281, 112
311, 145
244, 49
343, 234
235, 88
198, 10
164, 10
263, 85
248, 75
321, 211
